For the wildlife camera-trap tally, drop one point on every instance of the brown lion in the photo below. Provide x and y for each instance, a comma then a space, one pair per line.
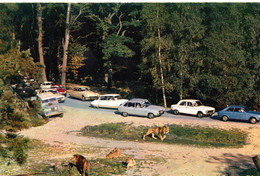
130, 162
115, 153
158, 131
81, 164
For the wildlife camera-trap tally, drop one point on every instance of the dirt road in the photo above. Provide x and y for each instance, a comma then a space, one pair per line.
173, 159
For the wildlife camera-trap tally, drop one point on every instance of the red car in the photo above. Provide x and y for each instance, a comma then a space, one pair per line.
60, 88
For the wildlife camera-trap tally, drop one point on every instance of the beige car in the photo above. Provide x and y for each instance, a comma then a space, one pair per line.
84, 93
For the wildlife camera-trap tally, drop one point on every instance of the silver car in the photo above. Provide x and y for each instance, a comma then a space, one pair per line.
140, 107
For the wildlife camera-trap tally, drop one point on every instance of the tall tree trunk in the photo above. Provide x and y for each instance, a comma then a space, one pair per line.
160, 60
65, 47
40, 36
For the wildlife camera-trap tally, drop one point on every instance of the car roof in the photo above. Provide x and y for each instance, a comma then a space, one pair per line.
189, 100
46, 95
47, 82
111, 95
48, 89
236, 106
81, 87
138, 100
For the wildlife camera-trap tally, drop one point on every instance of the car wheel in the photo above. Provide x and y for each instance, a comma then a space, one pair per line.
225, 118
175, 112
200, 115
61, 115
252, 120
83, 98
124, 114
150, 116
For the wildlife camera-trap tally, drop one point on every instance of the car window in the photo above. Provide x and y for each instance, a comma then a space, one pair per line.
189, 104
237, 110
198, 103
126, 104
230, 109
138, 105
111, 98
44, 101
146, 104
183, 103
52, 99
130, 104
103, 98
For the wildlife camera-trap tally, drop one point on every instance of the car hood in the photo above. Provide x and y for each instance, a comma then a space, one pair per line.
206, 107
253, 112
91, 93
155, 107
61, 90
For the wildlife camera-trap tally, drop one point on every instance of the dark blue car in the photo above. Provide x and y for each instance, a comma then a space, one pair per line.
239, 113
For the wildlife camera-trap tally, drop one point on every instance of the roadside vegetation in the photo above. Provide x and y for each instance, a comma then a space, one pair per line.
184, 135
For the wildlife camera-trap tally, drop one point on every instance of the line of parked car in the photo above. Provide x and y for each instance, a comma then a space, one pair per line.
140, 106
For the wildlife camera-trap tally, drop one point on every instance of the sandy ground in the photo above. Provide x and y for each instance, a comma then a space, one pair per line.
179, 160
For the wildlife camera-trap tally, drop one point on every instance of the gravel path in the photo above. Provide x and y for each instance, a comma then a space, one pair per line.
180, 160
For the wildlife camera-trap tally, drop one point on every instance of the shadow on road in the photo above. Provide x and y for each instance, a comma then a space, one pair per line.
236, 163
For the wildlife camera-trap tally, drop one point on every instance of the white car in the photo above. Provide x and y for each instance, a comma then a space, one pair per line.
108, 101
46, 85
84, 93
50, 105
192, 107
61, 98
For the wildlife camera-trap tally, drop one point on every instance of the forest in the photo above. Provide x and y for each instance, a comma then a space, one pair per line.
160, 51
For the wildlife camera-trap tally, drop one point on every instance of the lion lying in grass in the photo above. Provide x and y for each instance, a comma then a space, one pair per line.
115, 153
158, 131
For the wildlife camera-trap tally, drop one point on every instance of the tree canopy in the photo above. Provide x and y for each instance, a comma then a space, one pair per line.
207, 51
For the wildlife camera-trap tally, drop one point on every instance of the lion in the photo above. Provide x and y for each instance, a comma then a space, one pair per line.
130, 162
158, 131
81, 164
115, 153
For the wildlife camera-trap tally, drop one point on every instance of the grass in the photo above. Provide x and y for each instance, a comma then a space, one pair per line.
185, 135
42, 158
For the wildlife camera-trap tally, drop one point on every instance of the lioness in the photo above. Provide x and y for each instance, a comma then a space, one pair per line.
159, 131
130, 162
81, 164
115, 153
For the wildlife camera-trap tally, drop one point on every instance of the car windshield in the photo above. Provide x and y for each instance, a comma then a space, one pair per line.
146, 104
198, 103
51, 100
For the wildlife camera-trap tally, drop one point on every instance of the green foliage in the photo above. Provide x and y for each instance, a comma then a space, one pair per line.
185, 135
15, 148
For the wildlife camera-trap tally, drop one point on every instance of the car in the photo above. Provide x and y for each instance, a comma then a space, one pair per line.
61, 98
50, 105
192, 107
108, 101
60, 88
84, 93
46, 85
140, 107
242, 113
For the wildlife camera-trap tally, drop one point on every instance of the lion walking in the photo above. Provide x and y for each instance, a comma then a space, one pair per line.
158, 131
82, 165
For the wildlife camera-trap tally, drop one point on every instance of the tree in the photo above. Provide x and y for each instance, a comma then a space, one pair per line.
65, 46
157, 44
114, 24
40, 41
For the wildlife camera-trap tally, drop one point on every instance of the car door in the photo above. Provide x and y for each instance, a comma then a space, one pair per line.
189, 108
130, 108
182, 107
139, 110
239, 114
103, 101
